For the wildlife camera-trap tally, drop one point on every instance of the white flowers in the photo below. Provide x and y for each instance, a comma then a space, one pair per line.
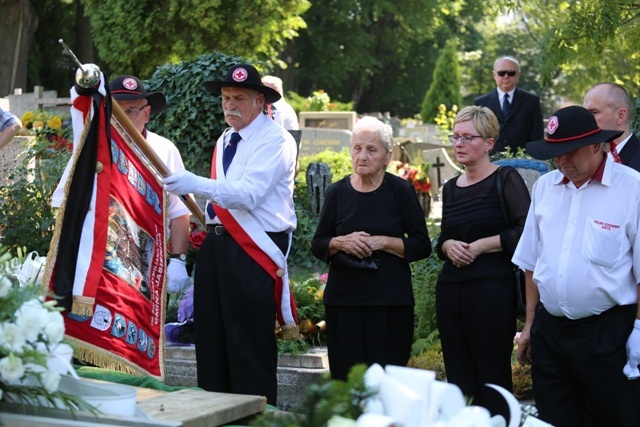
11, 368
30, 331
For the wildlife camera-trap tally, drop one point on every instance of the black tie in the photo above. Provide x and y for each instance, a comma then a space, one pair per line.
505, 105
230, 150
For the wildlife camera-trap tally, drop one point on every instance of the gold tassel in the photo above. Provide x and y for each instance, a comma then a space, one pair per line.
82, 306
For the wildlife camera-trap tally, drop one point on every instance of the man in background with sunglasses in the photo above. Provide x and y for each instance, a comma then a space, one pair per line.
518, 111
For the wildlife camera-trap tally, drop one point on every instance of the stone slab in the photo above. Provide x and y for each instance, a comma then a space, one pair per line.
295, 373
196, 408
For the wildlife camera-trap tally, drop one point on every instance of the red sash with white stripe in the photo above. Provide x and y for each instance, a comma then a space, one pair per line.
246, 231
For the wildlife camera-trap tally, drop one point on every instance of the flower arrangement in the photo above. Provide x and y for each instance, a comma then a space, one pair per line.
50, 129
31, 331
308, 295
417, 175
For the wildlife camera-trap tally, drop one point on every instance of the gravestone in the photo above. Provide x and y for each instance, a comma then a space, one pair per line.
317, 140
442, 167
425, 132
318, 179
327, 119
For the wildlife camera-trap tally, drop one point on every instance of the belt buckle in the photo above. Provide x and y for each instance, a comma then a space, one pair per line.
219, 230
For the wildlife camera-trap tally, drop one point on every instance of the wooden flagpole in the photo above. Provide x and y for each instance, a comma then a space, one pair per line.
153, 158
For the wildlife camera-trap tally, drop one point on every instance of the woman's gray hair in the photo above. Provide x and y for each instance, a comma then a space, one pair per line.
371, 124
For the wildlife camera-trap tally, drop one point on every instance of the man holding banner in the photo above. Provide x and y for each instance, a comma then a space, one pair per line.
139, 105
241, 280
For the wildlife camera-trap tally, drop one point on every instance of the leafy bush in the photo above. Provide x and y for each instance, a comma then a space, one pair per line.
431, 360
424, 278
340, 165
26, 216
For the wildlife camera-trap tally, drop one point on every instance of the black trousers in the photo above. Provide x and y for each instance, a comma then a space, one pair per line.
370, 334
577, 369
477, 324
234, 315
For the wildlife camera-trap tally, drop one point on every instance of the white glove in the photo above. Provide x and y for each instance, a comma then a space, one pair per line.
177, 277
185, 182
633, 352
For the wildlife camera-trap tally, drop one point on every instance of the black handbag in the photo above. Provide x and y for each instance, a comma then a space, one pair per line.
344, 259
521, 288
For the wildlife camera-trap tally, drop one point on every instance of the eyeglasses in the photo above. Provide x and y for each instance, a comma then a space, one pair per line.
132, 112
511, 73
466, 139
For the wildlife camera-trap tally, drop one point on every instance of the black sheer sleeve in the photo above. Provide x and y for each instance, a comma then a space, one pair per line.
517, 201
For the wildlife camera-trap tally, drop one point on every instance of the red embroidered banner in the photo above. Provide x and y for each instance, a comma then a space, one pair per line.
115, 315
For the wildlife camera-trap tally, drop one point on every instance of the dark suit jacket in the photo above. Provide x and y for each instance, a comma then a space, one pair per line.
524, 121
630, 154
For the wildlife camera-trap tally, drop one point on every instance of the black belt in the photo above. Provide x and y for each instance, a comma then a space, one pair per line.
218, 230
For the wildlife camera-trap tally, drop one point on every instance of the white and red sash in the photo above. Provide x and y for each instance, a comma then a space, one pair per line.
248, 233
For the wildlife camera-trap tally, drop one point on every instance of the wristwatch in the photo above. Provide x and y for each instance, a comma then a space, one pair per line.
181, 257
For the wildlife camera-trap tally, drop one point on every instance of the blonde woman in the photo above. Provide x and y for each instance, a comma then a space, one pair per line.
475, 293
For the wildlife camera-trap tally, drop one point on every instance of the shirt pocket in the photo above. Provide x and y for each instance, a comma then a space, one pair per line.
604, 244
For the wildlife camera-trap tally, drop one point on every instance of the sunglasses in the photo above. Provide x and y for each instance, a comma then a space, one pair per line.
511, 73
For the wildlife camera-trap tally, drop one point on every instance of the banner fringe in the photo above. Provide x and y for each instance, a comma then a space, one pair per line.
105, 359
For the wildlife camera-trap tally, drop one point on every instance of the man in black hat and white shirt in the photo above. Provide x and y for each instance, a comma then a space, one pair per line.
138, 104
241, 281
581, 253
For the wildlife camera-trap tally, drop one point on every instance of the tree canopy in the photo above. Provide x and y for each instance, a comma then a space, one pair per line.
379, 54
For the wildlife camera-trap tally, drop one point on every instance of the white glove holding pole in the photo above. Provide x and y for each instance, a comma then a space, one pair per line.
184, 182
177, 277
633, 352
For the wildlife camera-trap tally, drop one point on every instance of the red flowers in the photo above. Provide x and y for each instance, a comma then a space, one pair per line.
196, 237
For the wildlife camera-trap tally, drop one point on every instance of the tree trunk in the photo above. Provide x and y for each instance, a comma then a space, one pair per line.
18, 23
84, 42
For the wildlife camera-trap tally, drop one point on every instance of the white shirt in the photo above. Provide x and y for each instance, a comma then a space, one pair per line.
261, 176
165, 150
582, 243
170, 156
285, 115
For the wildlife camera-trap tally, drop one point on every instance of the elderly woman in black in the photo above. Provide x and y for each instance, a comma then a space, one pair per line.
370, 229
475, 293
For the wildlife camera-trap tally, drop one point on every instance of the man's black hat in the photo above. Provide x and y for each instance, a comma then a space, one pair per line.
244, 76
128, 88
568, 129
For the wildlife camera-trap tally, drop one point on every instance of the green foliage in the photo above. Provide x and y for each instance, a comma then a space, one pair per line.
340, 165
292, 347
136, 37
308, 295
193, 119
430, 358
26, 214
424, 278
324, 400
445, 87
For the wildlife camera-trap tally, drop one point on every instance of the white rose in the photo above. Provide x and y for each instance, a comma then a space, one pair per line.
50, 381
31, 318
54, 329
5, 286
11, 337
11, 368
